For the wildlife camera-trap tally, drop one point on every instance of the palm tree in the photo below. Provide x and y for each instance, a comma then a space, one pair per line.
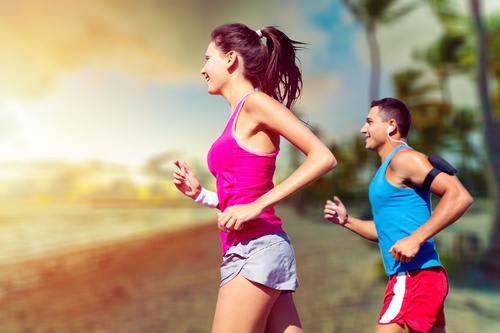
430, 117
411, 87
371, 13
443, 57
445, 11
475, 59
464, 122
491, 132
493, 46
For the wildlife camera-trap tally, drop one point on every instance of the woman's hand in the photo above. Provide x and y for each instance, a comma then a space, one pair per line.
185, 180
234, 217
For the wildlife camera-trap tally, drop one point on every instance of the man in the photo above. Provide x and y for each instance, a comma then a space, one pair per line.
404, 224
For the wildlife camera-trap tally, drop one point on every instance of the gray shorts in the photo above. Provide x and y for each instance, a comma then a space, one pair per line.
268, 260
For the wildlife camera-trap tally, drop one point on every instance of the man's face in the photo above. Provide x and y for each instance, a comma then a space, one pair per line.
375, 130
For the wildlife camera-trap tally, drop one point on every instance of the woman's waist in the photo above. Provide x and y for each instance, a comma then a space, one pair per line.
241, 197
249, 231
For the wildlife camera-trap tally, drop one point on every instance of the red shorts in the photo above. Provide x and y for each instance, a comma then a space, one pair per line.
416, 298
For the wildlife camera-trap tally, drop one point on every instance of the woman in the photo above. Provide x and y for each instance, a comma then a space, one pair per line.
260, 82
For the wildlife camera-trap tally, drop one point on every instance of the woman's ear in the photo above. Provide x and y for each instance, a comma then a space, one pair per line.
231, 58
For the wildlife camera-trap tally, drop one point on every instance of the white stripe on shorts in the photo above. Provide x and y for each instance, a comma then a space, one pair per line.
397, 301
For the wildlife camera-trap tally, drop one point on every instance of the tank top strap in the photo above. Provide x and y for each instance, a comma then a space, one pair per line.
398, 148
239, 106
388, 160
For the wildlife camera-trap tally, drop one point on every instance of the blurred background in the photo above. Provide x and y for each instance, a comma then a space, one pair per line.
99, 97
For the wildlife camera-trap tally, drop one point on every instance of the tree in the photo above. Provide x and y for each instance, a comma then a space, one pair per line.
456, 48
430, 117
371, 13
491, 122
443, 57
464, 122
445, 11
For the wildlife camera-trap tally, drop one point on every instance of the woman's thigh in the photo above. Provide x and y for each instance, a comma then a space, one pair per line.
284, 317
243, 306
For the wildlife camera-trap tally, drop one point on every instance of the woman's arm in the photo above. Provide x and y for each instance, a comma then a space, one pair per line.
275, 117
263, 113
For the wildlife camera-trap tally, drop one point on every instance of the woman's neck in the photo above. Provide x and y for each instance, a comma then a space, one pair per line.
234, 96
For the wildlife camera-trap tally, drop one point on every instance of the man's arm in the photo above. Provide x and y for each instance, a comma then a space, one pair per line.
412, 167
336, 213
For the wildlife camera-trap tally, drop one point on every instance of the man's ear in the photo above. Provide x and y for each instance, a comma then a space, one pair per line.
392, 126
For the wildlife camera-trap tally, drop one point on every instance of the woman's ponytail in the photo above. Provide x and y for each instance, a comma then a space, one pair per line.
271, 66
283, 77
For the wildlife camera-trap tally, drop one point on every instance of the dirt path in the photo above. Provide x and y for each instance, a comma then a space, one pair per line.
168, 283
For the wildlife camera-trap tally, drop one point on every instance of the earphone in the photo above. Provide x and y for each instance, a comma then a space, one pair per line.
389, 129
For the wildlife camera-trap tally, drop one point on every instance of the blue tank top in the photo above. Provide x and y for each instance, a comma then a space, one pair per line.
397, 213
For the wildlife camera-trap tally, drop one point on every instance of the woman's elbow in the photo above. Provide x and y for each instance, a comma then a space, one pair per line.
330, 161
323, 160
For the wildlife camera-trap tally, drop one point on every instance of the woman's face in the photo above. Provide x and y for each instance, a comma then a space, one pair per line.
215, 69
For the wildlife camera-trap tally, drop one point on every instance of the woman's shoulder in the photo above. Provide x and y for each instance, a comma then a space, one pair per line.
260, 102
257, 97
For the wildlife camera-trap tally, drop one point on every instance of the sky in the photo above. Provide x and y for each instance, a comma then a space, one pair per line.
119, 80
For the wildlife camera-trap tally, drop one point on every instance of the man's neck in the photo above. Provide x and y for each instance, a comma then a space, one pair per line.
387, 149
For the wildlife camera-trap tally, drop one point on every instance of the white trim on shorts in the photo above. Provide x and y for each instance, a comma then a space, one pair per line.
396, 304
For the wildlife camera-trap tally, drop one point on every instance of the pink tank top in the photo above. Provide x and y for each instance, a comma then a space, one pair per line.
242, 177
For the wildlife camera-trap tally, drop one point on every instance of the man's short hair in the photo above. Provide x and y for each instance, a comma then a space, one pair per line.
392, 108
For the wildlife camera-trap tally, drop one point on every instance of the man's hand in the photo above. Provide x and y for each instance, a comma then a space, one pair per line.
405, 249
336, 212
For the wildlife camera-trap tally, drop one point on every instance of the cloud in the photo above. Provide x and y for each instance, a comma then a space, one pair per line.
398, 40
320, 90
149, 39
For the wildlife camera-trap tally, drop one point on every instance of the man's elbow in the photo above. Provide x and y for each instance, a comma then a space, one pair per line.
465, 200
468, 200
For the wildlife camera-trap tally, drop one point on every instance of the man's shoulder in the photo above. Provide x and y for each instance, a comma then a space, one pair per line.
408, 153
408, 158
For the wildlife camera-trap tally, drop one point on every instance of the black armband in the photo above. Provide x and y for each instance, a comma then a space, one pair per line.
440, 165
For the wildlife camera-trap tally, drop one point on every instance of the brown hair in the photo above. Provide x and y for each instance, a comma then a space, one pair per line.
392, 108
271, 67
